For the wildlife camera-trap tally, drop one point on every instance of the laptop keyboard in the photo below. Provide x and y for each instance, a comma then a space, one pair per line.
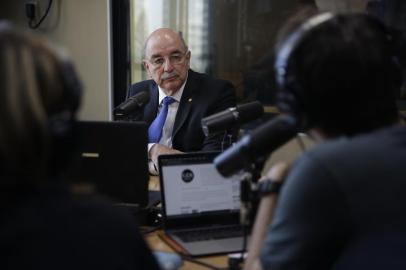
204, 234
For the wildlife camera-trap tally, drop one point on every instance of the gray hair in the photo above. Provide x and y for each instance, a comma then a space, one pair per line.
179, 34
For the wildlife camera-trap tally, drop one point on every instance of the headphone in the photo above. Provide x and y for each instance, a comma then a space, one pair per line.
61, 124
290, 94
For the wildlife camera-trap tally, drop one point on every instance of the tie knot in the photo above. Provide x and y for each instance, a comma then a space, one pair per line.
168, 100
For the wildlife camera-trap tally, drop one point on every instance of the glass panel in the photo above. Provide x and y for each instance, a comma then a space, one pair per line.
232, 39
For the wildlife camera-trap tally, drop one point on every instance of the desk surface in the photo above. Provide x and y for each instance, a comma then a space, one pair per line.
157, 244
153, 183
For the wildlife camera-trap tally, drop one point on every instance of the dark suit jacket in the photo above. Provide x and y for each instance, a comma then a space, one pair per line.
202, 96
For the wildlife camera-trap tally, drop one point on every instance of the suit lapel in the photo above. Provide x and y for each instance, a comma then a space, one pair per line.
151, 107
185, 104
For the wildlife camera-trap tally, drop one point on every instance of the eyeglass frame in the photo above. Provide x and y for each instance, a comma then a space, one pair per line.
182, 57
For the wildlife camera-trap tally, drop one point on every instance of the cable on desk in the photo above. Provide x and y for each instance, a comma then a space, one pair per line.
148, 230
207, 265
245, 242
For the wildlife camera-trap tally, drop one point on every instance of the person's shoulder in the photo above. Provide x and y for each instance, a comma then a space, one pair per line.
212, 89
137, 87
54, 217
55, 205
194, 75
359, 145
143, 83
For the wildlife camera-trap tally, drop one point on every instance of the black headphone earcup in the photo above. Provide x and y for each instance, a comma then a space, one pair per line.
61, 125
289, 98
289, 101
72, 86
63, 143
397, 74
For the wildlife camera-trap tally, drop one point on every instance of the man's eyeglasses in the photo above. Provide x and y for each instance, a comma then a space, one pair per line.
174, 59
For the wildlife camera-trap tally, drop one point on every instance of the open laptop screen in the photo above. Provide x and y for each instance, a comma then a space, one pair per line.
192, 188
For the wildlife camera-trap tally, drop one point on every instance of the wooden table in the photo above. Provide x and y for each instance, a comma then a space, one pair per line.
153, 183
157, 244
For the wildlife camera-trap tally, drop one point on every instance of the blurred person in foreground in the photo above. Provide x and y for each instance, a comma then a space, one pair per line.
342, 203
43, 225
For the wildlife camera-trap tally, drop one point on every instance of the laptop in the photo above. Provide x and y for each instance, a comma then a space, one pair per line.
200, 207
112, 158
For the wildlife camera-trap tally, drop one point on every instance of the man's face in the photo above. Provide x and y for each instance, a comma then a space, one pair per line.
167, 60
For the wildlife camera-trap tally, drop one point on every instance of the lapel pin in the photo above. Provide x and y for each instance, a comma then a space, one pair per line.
190, 100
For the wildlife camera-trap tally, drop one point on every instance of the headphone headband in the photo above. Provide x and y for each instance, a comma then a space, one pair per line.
293, 41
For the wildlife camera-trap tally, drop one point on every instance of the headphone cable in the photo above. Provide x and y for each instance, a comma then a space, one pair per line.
35, 26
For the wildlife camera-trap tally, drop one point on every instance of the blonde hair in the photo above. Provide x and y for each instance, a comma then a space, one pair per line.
31, 91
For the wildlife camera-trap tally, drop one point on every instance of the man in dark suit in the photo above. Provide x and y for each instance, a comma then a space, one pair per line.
191, 96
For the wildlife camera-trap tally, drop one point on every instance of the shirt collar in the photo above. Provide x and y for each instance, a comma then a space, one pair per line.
177, 96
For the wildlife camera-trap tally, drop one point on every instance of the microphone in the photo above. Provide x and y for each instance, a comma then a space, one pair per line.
260, 142
232, 117
131, 104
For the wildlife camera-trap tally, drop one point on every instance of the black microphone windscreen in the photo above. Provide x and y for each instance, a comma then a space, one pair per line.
133, 103
254, 146
232, 117
250, 111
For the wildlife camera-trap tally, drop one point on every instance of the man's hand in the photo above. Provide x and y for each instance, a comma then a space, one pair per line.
157, 150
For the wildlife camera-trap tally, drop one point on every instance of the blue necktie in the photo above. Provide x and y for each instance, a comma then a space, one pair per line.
155, 129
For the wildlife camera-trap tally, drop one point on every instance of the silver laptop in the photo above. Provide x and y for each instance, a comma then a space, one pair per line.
200, 207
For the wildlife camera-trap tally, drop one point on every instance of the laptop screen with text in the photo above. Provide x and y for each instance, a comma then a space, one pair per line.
192, 187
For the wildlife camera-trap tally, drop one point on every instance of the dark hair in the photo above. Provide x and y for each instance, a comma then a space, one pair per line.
38, 100
345, 75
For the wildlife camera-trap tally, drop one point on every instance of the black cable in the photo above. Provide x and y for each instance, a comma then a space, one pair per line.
223, 141
148, 230
35, 26
245, 241
207, 265
227, 140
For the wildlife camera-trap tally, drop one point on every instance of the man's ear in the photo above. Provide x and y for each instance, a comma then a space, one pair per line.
187, 56
146, 67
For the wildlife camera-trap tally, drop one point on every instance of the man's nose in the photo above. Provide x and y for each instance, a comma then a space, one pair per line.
168, 65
